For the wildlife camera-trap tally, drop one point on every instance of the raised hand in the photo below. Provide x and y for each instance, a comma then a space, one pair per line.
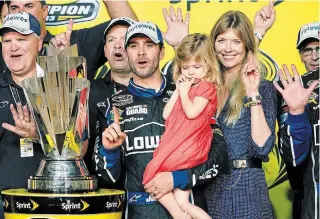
62, 40
112, 136
177, 28
293, 92
265, 18
24, 124
250, 76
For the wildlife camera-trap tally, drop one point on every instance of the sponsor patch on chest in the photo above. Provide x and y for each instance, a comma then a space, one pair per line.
135, 110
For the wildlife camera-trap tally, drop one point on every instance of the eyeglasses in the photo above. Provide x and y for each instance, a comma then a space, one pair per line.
308, 51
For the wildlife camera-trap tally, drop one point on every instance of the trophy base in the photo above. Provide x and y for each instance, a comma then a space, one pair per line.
101, 204
62, 185
62, 176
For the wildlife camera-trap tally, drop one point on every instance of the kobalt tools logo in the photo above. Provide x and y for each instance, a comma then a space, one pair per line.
32, 205
79, 11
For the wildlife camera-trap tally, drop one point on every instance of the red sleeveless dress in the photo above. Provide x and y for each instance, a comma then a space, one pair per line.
185, 142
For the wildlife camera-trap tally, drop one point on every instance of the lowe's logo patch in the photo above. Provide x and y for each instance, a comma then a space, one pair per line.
79, 11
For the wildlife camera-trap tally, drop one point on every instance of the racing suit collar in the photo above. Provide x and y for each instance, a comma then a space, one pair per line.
146, 92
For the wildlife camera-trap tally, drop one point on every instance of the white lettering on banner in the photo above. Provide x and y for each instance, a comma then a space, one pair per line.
79, 11
31, 205
111, 205
23, 205
71, 206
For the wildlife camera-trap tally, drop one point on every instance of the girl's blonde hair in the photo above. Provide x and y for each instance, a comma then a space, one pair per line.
241, 25
200, 47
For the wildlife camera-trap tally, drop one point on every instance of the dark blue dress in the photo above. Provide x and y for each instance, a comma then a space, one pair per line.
244, 193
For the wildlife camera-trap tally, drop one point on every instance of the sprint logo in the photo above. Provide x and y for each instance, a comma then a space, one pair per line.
79, 11
80, 206
111, 205
32, 205
85, 205
114, 204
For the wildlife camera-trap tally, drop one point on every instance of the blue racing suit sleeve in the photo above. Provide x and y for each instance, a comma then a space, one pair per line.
295, 138
111, 162
107, 161
180, 179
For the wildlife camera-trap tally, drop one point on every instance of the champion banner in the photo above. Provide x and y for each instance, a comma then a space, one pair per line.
278, 47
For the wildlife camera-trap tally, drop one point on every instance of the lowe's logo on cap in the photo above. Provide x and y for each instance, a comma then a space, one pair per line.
22, 22
147, 28
119, 21
308, 31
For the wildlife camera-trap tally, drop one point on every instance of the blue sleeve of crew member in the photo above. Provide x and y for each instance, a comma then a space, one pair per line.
299, 129
111, 162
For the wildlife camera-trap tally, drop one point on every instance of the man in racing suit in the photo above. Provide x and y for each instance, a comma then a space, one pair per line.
140, 109
299, 144
300, 153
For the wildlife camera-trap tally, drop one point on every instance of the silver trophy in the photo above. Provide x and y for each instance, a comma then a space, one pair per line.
59, 103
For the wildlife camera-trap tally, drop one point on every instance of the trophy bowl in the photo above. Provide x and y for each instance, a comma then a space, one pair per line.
59, 105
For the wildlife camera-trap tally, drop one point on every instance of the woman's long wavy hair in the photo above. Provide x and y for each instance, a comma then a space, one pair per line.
200, 47
242, 26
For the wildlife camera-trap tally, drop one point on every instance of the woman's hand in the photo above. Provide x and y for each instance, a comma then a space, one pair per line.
251, 76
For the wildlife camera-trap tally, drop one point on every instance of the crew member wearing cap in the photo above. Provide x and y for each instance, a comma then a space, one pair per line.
89, 41
134, 127
21, 41
299, 125
115, 80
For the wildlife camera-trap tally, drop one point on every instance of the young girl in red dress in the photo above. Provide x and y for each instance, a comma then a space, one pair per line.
187, 139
